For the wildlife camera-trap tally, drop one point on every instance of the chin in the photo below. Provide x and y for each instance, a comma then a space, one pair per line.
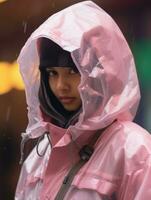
71, 108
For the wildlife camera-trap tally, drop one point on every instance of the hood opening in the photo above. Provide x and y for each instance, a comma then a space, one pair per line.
52, 55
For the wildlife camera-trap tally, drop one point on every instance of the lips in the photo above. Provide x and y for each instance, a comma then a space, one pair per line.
66, 100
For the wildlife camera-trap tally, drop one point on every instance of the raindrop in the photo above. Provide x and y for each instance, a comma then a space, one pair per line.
8, 113
25, 26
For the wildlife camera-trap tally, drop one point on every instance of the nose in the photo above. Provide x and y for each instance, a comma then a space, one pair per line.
63, 83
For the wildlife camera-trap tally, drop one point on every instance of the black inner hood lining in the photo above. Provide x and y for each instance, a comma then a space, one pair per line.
52, 55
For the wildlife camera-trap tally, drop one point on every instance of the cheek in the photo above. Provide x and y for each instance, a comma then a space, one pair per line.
76, 85
78, 81
52, 85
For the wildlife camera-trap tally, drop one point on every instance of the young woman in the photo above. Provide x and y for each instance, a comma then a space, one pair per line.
82, 94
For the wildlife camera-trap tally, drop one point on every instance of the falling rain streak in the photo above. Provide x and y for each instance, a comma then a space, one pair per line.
8, 113
25, 26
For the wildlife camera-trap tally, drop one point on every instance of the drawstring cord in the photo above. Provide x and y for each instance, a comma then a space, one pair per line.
39, 140
25, 138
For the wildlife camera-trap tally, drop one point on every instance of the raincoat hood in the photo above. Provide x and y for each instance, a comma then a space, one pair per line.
109, 87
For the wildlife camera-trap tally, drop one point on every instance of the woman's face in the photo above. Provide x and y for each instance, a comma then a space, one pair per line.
64, 83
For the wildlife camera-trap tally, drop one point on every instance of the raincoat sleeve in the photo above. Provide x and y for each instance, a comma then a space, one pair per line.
32, 172
137, 185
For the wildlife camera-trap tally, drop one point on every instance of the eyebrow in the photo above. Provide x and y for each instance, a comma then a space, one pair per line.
55, 68
49, 68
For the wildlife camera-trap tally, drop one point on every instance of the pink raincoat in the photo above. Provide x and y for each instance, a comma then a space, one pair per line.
120, 167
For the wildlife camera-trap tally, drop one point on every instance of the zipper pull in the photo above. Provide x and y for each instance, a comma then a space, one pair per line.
65, 179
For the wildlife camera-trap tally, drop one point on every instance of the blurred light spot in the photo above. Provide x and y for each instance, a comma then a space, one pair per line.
1, 1
10, 77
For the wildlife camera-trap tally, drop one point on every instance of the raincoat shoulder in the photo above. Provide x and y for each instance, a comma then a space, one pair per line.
120, 167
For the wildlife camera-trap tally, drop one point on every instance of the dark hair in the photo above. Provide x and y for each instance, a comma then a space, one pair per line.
52, 55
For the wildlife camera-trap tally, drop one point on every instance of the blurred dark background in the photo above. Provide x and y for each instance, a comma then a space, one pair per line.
18, 19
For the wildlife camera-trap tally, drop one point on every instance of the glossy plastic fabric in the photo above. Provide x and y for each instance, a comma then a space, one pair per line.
109, 90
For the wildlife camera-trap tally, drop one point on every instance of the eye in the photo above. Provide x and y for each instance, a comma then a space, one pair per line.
73, 71
51, 72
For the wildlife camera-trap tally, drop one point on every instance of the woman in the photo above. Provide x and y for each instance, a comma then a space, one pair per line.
82, 90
